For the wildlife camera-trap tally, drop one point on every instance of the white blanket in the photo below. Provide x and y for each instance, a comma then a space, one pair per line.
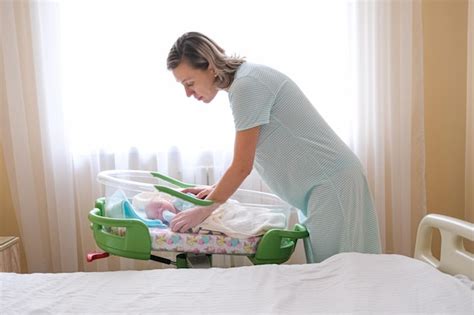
243, 221
345, 283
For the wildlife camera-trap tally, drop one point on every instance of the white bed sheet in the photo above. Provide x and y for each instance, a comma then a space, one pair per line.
348, 282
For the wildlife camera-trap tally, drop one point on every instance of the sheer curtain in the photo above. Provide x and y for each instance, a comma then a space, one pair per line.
34, 138
387, 101
85, 97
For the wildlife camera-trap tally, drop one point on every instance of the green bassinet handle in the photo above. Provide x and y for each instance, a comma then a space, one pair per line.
277, 246
171, 180
177, 193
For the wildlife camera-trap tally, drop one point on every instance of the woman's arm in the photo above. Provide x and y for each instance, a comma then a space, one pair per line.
241, 166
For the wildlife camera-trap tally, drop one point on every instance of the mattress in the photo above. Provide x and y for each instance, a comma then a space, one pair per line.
167, 240
348, 282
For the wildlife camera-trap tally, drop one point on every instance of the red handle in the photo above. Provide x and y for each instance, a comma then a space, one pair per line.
94, 256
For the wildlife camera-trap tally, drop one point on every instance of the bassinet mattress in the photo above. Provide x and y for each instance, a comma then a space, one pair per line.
166, 240
169, 241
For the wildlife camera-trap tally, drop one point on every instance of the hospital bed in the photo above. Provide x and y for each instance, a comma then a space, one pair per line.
344, 283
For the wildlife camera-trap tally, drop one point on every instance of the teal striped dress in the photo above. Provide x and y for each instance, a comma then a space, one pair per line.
305, 163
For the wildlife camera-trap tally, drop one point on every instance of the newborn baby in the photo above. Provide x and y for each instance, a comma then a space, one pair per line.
160, 206
161, 209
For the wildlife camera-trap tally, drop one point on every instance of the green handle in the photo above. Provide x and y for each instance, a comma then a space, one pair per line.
180, 195
136, 242
171, 180
299, 231
276, 246
177, 193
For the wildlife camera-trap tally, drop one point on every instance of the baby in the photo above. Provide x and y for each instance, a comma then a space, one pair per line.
161, 209
160, 206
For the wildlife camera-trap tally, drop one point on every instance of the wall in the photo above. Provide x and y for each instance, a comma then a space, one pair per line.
445, 79
445, 55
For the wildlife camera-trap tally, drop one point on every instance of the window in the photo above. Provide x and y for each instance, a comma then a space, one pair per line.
119, 95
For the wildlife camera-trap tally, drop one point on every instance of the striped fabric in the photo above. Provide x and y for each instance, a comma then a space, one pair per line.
304, 162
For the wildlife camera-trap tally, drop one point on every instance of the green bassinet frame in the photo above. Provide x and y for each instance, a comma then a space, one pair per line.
275, 247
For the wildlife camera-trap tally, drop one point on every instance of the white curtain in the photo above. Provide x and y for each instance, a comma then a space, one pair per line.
34, 138
469, 193
81, 78
387, 101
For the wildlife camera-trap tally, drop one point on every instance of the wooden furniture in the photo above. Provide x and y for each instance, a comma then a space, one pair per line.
9, 254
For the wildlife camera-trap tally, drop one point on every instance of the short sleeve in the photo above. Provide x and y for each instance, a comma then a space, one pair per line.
251, 102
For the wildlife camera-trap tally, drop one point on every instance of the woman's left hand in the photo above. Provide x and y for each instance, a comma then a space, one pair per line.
190, 218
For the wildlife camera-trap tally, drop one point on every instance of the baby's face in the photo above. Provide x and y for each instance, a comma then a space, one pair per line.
156, 207
166, 205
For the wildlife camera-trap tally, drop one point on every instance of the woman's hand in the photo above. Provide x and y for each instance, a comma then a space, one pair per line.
201, 192
190, 218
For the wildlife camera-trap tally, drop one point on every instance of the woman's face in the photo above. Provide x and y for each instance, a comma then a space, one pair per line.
197, 83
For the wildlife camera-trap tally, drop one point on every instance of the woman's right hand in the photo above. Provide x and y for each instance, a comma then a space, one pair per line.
201, 192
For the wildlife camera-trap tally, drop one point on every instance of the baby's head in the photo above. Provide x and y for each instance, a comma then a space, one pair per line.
155, 208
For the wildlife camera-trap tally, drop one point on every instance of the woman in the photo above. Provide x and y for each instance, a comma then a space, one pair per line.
293, 149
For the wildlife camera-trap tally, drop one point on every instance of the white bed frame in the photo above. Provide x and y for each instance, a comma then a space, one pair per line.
454, 258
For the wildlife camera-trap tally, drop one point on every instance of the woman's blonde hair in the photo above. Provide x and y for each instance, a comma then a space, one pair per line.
201, 53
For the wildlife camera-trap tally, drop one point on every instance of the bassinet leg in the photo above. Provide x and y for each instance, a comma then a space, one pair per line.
199, 260
182, 261
190, 260
308, 249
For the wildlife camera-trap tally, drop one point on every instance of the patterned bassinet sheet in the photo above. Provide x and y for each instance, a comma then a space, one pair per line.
166, 240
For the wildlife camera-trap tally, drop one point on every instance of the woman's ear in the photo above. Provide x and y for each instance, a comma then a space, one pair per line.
213, 72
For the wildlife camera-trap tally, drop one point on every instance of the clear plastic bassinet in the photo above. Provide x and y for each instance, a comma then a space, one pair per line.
133, 182
126, 231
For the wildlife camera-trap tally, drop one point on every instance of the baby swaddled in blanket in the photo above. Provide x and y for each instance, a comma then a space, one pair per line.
231, 218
